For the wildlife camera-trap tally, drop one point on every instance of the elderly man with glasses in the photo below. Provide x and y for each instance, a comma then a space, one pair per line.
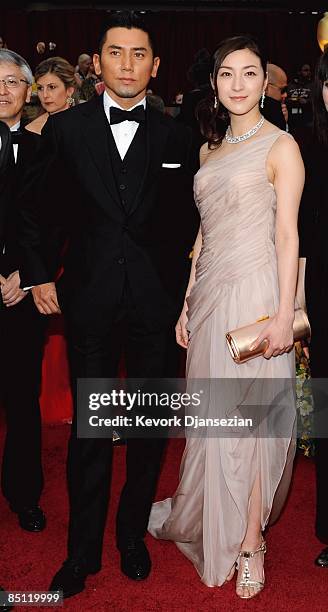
21, 325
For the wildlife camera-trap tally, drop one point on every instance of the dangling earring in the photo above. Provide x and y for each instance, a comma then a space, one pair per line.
262, 100
70, 101
215, 102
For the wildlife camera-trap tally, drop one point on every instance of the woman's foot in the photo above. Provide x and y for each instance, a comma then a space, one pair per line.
250, 578
231, 574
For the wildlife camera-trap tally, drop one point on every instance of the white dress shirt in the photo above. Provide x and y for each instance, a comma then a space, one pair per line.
15, 128
124, 132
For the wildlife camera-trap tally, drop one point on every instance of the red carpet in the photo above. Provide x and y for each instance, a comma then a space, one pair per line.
28, 561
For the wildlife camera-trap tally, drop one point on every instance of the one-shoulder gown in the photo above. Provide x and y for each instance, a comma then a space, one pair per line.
236, 283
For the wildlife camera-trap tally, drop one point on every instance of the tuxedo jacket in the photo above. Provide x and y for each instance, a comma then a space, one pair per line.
6, 164
148, 247
272, 112
10, 259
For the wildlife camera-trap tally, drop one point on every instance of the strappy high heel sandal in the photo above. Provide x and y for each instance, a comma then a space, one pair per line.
245, 581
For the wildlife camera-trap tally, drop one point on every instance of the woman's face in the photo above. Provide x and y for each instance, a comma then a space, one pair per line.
325, 94
52, 93
240, 81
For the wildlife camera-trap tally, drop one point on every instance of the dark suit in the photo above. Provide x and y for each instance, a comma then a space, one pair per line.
272, 112
6, 163
130, 226
313, 220
22, 331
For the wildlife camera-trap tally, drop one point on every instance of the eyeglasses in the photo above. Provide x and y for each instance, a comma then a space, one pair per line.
12, 82
283, 90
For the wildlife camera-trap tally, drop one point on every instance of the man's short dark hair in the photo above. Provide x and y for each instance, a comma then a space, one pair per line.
125, 19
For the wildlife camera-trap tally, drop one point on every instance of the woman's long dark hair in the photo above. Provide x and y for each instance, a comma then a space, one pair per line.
214, 121
320, 113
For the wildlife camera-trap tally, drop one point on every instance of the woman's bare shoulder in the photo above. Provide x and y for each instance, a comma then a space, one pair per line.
37, 124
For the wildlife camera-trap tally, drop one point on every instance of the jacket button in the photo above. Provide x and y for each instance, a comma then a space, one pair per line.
121, 260
126, 228
122, 187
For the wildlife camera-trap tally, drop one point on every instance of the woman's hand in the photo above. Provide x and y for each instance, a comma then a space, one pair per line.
279, 335
181, 333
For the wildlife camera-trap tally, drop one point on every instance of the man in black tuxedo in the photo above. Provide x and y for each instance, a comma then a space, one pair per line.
22, 327
6, 163
275, 109
127, 172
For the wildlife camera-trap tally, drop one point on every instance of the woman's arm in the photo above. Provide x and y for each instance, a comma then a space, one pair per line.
180, 328
288, 183
286, 167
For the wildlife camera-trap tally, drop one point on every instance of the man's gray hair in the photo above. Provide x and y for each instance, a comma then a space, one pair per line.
10, 57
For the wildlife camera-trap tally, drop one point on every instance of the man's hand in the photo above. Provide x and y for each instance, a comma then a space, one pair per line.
284, 111
11, 292
45, 298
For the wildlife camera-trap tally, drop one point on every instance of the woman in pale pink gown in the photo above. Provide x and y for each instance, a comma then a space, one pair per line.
244, 266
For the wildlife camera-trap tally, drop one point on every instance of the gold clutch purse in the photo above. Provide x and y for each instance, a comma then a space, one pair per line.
239, 340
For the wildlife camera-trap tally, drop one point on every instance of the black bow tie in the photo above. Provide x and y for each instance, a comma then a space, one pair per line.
16, 136
117, 115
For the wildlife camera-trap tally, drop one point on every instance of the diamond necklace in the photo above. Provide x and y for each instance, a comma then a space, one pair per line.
235, 139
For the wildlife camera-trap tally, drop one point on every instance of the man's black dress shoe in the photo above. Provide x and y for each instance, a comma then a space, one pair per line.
71, 577
322, 558
31, 518
135, 559
5, 608
118, 439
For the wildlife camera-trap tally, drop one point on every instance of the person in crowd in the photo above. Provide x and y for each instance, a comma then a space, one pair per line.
245, 263
178, 98
22, 326
41, 47
199, 75
156, 101
56, 85
3, 44
84, 62
6, 165
300, 98
88, 88
274, 107
42, 51
313, 244
127, 172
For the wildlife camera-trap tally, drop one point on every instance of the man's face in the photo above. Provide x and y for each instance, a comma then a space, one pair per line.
306, 71
126, 65
41, 47
278, 89
12, 99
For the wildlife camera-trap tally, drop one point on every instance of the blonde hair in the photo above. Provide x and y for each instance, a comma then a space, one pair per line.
58, 66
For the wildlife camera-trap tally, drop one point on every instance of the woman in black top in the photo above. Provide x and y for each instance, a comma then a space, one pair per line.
314, 245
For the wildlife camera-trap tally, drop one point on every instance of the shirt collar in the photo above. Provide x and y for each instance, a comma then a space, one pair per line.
15, 127
108, 102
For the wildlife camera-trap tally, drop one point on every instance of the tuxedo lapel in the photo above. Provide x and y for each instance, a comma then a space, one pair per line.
96, 138
26, 150
156, 137
6, 151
